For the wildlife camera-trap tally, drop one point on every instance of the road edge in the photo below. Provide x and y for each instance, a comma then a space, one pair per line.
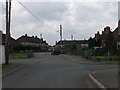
12, 71
98, 84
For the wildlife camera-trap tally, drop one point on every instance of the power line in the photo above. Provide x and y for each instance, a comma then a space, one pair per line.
44, 23
34, 15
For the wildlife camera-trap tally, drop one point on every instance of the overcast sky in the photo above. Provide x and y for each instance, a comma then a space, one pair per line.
82, 19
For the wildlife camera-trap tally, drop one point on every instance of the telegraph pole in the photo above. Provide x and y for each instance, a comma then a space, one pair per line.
41, 41
61, 34
40, 36
8, 18
71, 36
6, 37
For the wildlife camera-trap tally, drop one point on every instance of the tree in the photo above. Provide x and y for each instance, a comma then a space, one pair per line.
111, 43
69, 48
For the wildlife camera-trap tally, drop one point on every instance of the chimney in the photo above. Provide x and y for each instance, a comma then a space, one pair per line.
26, 35
35, 36
98, 33
107, 29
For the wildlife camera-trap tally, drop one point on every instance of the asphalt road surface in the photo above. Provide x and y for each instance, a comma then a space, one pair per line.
53, 71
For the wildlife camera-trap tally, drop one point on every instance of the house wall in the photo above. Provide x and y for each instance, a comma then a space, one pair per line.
2, 54
2, 50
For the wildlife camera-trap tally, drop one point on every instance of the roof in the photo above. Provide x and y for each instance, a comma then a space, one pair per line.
29, 39
116, 34
12, 41
72, 41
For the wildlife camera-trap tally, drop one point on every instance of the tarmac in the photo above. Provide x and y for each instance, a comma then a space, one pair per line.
10, 68
104, 79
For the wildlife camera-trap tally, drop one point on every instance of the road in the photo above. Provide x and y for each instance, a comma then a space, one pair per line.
53, 71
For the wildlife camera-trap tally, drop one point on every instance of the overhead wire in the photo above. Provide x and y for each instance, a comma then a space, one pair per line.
44, 23
34, 15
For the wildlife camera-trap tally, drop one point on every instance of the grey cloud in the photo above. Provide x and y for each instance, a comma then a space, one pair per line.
47, 11
80, 19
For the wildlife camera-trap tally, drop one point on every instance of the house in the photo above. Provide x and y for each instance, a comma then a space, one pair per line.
12, 42
27, 40
32, 41
104, 36
117, 34
105, 32
79, 43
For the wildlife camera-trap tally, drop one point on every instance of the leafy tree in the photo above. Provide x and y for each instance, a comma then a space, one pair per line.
111, 44
69, 48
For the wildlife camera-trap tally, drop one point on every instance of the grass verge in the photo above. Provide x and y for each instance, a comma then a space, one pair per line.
113, 61
5, 65
20, 55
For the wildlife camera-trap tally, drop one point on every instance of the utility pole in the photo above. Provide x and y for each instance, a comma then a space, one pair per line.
8, 18
6, 37
61, 34
72, 37
41, 41
40, 36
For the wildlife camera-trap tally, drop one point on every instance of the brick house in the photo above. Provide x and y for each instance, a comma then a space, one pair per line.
116, 34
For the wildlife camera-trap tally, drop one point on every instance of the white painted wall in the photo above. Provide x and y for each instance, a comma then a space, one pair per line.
2, 54
2, 50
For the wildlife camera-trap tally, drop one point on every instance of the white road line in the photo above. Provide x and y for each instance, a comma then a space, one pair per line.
97, 83
12, 71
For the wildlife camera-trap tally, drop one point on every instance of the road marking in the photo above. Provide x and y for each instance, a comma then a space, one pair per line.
99, 85
12, 71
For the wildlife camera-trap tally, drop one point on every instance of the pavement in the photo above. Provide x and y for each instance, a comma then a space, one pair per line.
59, 72
106, 78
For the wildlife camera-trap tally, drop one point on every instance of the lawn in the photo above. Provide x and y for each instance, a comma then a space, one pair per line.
5, 65
107, 59
106, 56
18, 56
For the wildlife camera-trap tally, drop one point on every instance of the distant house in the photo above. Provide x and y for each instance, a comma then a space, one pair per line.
33, 41
79, 43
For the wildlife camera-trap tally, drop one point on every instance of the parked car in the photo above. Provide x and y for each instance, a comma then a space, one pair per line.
55, 51
50, 50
